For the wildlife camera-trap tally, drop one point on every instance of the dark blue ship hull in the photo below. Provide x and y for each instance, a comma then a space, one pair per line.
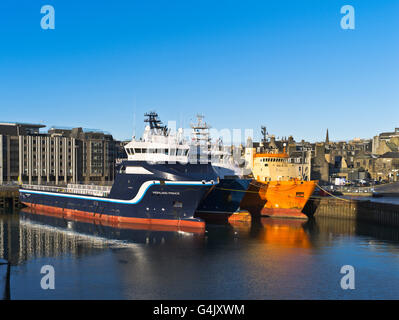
223, 200
169, 195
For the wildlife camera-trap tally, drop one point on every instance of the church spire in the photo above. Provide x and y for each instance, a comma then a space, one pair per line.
327, 138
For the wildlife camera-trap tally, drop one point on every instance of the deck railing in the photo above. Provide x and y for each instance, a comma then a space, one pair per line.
91, 190
39, 187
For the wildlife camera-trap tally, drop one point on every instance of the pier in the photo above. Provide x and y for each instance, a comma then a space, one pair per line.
9, 197
353, 209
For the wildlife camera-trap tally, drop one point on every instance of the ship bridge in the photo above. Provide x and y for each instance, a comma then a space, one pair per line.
158, 144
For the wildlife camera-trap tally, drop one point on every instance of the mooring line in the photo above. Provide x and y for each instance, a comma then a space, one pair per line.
236, 190
257, 192
334, 196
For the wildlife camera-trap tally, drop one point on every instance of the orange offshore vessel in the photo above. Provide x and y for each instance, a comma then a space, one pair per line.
279, 188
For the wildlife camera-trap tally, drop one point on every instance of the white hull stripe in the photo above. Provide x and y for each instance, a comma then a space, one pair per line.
140, 194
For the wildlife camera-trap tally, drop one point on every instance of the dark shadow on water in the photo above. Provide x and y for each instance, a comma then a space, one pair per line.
349, 227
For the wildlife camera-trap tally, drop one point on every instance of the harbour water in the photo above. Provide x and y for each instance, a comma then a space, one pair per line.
267, 259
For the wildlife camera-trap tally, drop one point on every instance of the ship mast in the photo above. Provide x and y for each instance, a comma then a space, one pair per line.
200, 132
155, 123
201, 138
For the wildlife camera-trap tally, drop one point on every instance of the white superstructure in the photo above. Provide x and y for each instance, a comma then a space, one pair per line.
158, 144
223, 162
220, 156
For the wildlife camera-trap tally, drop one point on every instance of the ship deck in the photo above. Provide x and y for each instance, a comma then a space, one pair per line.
78, 189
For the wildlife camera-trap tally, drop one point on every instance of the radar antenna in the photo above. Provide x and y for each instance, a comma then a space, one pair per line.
155, 123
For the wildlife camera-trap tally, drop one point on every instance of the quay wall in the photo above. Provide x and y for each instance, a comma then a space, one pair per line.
354, 209
9, 197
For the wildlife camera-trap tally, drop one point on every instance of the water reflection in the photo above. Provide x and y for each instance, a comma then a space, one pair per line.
283, 233
31, 234
261, 259
289, 233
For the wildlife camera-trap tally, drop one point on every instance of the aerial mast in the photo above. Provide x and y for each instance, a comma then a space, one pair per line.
155, 123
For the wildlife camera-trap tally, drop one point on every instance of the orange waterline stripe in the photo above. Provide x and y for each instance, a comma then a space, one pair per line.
118, 219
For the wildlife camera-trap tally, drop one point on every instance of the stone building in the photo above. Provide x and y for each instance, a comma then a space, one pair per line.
59, 156
386, 142
386, 167
343, 158
355, 159
10, 143
349, 150
96, 152
320, 167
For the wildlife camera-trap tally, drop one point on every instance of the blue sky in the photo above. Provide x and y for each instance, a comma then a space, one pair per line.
284, 64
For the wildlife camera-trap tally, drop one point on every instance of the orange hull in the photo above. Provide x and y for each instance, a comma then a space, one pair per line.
285, 199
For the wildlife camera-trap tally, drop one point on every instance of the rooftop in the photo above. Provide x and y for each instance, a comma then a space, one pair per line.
86, 130
21, 124
390, 155
389, 134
